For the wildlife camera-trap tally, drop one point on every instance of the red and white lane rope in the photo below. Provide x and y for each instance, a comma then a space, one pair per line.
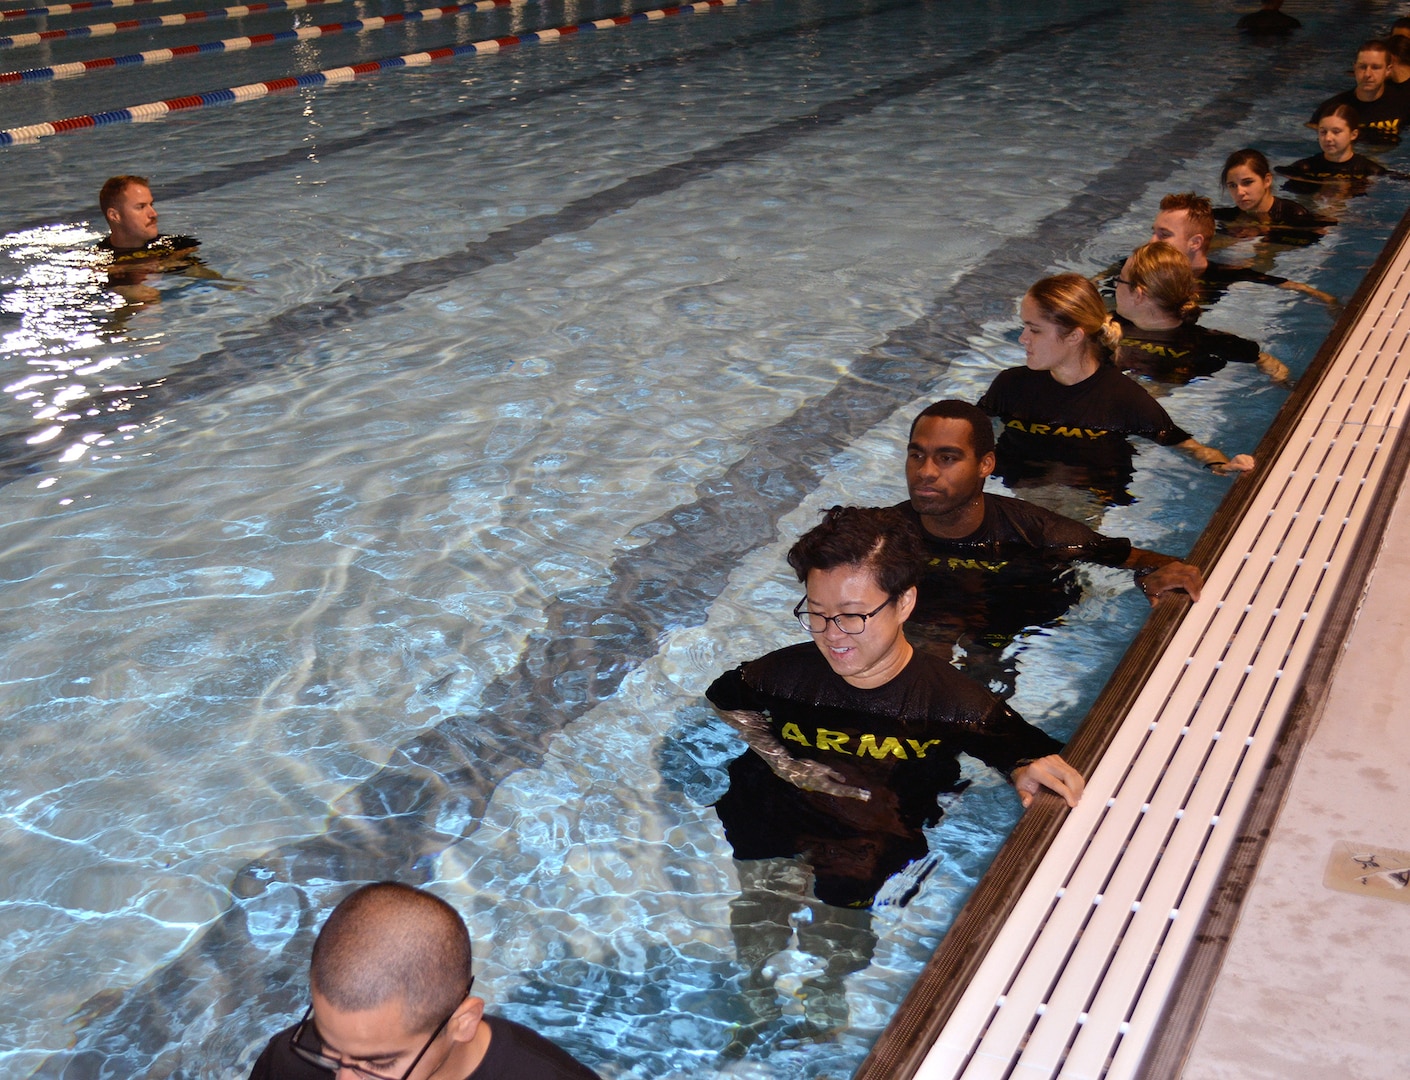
19, 41
237, 44
156, 109
69, 9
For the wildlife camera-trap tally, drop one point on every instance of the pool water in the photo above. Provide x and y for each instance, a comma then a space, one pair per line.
408, 546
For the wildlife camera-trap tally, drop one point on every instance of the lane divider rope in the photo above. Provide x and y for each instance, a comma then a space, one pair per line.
20, 41
69, 9
157, 109
237, 44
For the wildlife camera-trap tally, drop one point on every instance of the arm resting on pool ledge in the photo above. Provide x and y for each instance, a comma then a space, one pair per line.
1275, 369
754, 728
1049, 772
1159, 574
1215, 460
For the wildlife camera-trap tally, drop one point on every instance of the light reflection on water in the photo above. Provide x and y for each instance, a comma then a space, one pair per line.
329, 543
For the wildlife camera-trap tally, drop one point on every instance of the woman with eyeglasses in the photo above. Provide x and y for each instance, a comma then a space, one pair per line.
853, 735
1156, 308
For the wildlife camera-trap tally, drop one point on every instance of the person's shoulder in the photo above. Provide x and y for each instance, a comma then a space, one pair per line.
907, 511
174, 242
1222, 343
1112, 380
1019, 514
1365, 166
520, 1053
1017, 521
793, 671
1223, 273
1130, 331
1396, 91
931, 686
1308, 166
1287, 212
1013, 376
1009, 381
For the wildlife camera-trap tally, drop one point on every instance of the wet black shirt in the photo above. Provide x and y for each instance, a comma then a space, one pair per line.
1014, 572
161, 245
1181, 353
1214, 280
515, 1053
1074, 435
899, 741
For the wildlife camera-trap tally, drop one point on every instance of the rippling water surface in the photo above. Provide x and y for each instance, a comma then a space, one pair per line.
408, 545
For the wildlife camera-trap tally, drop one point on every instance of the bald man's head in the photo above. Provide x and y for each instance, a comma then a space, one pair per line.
389, 942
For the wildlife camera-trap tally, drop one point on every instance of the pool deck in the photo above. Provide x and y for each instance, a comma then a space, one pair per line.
1315, 982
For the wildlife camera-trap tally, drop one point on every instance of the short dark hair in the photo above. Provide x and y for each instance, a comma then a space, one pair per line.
1374, 45
981, 428
881, 540
113, 188
391, 942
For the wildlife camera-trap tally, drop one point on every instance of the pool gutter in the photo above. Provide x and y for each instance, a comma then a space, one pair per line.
931, 1005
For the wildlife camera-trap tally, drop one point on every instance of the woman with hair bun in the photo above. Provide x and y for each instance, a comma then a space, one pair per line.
1067, 413
1156, 308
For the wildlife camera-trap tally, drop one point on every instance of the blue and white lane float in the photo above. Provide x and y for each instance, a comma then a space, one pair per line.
237, 44
20, 41
158, 109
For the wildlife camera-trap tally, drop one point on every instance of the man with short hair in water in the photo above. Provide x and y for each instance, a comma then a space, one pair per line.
1185, 221
390, 1000
126, 202
137, 250
996, 566
1383, 105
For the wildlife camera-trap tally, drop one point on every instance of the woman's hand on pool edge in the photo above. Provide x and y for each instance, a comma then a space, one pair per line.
1239, 463
1050, 772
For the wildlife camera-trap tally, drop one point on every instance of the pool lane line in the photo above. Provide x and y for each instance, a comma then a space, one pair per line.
69, 9
239, 44
410, 127
20, 41
157, 109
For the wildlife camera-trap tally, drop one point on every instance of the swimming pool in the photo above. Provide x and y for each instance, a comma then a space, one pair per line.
409, 550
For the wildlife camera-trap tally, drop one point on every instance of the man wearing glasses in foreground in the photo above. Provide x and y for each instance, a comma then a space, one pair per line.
390, 981
853, 736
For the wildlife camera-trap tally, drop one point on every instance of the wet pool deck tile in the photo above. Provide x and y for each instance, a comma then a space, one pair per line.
1316, 982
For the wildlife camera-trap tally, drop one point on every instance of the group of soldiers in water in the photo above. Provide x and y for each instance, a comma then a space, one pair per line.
854, 735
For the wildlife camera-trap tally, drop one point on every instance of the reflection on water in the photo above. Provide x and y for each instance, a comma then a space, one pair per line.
69, 359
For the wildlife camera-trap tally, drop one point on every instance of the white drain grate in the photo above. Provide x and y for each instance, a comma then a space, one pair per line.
1076, 980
